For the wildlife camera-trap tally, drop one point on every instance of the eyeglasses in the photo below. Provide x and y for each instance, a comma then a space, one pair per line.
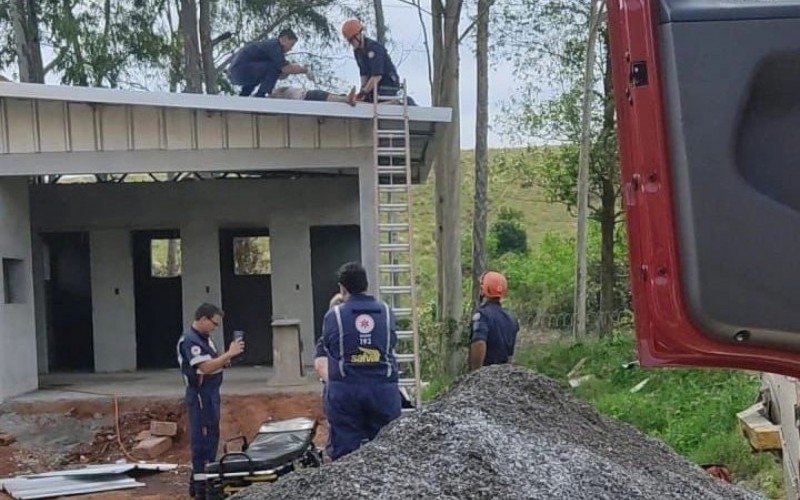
213, 322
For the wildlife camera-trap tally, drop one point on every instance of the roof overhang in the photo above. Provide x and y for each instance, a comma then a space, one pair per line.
48, 129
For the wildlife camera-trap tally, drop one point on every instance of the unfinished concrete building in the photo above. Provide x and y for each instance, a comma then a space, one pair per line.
121, 211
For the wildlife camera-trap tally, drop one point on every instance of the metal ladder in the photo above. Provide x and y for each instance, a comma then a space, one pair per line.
392, 157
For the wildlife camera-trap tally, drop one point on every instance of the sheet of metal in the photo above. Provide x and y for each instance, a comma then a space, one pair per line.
49, 487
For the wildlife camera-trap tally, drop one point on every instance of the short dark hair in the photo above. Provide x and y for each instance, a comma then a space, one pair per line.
288, 33
207, 311
353, 277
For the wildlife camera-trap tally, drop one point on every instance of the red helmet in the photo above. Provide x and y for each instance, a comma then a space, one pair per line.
351, 28
494, 285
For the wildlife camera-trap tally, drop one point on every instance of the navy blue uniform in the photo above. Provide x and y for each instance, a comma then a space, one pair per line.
202, 397
360, 337
258, 64
373, 60
498, 328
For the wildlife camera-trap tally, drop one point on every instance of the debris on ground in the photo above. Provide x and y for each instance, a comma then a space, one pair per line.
638, 387
152, 448
168, 429
579, 381
91, 479
505, 432
6, 439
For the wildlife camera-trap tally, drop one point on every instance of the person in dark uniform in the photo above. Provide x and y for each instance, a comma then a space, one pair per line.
201, 366
375, 66
494, 329
359, 338
262, 63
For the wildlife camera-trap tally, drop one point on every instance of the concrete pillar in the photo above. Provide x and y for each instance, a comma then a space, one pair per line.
369, 224
113, 302
287, 360
41, 265
18, 360
201, 272
292, 294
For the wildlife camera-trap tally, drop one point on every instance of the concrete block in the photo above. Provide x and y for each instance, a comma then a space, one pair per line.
143, 435
152, 448
163, 428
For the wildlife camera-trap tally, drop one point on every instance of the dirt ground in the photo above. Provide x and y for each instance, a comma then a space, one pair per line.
66, 433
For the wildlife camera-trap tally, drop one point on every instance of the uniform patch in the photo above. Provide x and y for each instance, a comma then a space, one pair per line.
371, 54
365, 323
196, 350
476, 317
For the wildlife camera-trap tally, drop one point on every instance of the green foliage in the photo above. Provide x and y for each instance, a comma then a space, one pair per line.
692, 410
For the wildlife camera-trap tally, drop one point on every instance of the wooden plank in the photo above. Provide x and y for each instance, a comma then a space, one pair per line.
762, 434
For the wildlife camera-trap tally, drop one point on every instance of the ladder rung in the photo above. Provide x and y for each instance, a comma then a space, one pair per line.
394, 247
407, 382
404, 334
392, 169
393, 207
394, 289
389, 151
395, 268
395, 188
404, 358
391, 132
388, 228
401, 311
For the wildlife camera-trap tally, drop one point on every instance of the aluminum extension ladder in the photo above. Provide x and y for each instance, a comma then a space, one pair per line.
392, 157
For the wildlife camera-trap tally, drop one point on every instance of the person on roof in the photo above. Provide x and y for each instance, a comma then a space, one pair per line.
262, 63
494, 329
377, 70
300, 94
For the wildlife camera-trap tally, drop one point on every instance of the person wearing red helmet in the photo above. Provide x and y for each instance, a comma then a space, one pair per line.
494, 329
378, 72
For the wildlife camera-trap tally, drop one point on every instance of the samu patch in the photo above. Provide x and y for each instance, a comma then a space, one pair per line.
371, 54
196, 350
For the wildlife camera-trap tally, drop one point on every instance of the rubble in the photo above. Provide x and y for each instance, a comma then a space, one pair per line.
152, 447
506, 432
6, 439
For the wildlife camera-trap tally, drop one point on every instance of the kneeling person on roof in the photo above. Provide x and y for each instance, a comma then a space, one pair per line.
375, 66
360, 338
494, 329
262, 63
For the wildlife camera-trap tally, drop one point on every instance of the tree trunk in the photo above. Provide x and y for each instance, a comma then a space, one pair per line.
579, 303
448, 179
80, 63
608, 210
380, 22
437, 27
481, 152
207, 46
25, 18
187, 23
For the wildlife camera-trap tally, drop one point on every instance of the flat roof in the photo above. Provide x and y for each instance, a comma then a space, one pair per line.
216, 102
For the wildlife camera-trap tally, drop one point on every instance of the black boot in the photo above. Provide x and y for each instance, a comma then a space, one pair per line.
199, 488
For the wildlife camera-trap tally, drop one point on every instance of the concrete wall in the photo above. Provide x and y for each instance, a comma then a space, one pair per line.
287, 207
113, 311
18, 363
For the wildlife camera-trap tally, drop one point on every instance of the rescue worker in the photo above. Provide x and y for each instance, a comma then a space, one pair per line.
376, 67
360, 338
320, 356
262, 63
494, 328
201, 366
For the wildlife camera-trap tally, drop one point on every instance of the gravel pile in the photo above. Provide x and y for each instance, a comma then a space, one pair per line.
505, 432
